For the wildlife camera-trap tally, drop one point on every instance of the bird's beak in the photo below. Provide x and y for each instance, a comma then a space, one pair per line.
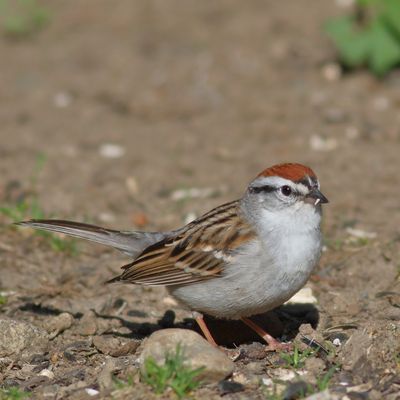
317, 197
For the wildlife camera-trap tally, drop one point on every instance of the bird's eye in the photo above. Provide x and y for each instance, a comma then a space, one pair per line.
286, 190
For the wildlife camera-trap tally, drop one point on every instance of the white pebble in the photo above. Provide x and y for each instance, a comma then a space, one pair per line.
62, 99
46, 372
331, 72
267, 381
337, 342
91, 392
318, 143
110, 150
132, 185
170, 301
303, 296
359, 233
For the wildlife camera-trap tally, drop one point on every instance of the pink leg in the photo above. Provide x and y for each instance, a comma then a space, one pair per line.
200, 321
273, 344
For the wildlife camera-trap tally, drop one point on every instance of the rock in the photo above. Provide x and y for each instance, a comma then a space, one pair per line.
56, 325
197, 353
295, 390
227, 387
21, 337
303, 296
113, 346
111, 150
88, 324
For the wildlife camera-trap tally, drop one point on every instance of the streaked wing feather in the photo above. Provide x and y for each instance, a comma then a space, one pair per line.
199, 251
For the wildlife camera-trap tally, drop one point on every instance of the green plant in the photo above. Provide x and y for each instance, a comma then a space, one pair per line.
121, 384
21, 18
3, 300
370, 37
13, 393
297, 358
29, 208
324, 380
172, 374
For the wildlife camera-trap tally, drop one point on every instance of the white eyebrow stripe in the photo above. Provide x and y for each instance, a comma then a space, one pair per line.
301, 188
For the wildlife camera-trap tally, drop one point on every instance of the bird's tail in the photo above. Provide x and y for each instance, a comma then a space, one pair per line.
131, 243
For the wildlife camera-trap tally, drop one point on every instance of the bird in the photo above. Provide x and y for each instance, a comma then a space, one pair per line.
242, 258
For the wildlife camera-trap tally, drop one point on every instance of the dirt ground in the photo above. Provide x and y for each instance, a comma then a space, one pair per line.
193, 94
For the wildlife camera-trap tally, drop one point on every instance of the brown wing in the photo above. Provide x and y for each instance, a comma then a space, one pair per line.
198, 252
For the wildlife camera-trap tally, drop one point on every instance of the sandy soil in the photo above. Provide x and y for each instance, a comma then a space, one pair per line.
196, 95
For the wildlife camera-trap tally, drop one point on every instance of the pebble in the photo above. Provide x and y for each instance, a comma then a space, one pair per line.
132, 185
87, 325
361, 234
21, 337
112, 346
295, 390
331, 72
92, 392
197, 353
46, 372
319, 143
303, 296
111, 150
226, 387
58, 324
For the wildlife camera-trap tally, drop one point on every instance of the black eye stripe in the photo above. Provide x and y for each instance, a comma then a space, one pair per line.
269, 189
264, 188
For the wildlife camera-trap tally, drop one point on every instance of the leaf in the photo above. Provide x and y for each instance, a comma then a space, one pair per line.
353, 44
385, 50
392, 14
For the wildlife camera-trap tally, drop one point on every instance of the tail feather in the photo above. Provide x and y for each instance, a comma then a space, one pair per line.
131, 243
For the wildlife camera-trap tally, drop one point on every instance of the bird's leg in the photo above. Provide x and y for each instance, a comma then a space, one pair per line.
273, 344
200, 321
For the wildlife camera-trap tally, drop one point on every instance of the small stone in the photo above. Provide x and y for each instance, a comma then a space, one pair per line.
21, 337
92, 392
111, 150
106, 345
336, 342
319, 143
87, 325
197, 352
361, 234
46, 372
132, 185
332, 72
140, 219
295, 390
127, 348
169, 301
56, 325
226, 387
303, 296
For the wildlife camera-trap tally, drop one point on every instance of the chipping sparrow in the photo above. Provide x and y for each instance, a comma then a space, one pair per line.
240, 259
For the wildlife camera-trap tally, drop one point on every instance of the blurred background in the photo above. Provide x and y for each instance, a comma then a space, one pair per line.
145, 114
125, 103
